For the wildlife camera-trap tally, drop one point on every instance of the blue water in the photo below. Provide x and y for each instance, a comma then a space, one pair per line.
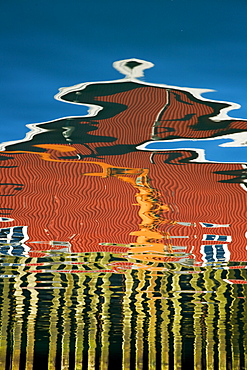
210, 150
45, 45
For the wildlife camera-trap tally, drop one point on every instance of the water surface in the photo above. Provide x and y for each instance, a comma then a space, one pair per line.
115, 256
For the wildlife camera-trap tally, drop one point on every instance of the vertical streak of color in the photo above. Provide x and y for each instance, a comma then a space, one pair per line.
222, 302
66, 315
127, 315
140, 316
5, 307
54, 318
92, 319
80, 323
152, 317
33, 309
165, 336
208, 327
18, 323
105, 318
177, 322
197, 328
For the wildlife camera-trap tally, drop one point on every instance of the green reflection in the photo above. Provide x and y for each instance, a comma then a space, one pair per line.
163, 316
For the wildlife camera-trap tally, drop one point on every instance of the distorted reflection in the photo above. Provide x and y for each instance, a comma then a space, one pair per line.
123, 232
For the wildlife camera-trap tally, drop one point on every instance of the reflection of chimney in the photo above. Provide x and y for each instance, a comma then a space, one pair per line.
132, 68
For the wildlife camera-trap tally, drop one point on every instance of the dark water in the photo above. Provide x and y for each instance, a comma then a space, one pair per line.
118, 248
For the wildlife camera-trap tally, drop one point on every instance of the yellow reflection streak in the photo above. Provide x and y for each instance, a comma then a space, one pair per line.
105, 319
139, 320
66, 322
243, 318
198, 330
31, 320
245, 331
92, 320
53, 330
234, 310
152, 324
80, 324
177, 322
127, 314
164, 328
4, 321
210, 285
18, 323
222, 304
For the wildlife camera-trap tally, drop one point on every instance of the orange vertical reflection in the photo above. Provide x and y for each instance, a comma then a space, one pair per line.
151, 209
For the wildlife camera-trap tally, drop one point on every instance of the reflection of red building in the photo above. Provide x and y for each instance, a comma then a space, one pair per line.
62, 207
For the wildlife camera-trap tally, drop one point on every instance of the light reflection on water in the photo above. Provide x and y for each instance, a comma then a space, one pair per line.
112, 257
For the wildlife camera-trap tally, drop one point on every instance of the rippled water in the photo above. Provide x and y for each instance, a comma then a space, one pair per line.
118, 248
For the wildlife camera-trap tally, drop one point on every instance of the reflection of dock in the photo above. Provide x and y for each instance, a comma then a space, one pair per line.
157, 320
